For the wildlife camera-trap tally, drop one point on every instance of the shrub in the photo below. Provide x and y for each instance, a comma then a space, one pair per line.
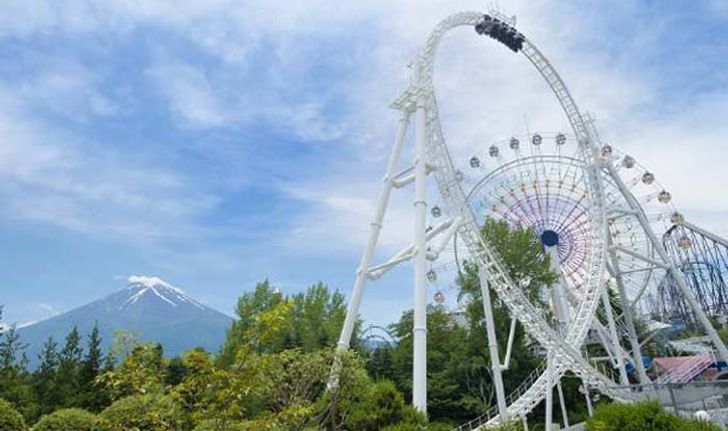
211, 425
70, 420
646, 416
143, 413
10, 419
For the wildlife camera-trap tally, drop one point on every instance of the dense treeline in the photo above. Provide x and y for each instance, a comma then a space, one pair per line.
273, 369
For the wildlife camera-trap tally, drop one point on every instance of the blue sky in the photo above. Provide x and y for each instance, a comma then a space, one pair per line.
218, 143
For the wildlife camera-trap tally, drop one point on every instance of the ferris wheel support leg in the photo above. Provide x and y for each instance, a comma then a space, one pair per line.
549, 390
500, 393
558, 291
361, 277
589, 408
623, 379
419, 329
564, 412
627, 311
672, 270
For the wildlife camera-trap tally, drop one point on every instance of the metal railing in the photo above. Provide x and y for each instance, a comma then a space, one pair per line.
688, 370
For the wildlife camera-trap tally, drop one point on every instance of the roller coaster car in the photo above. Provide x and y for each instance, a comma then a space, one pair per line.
502, 32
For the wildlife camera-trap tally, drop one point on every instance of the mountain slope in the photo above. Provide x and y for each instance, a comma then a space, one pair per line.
155, 309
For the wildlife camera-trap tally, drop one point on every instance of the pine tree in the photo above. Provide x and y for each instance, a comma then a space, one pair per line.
69, 364
92, 362
44, 378
12, 360
14, 378
93, 397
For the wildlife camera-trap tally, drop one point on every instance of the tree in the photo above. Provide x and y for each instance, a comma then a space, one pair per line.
150, 412
308, 320
12, 354
250, 305
44, 378
318, 315
70, 420
142, 372
447, 354
93, 397
358, 403
10, 419
15, 385
215, 397
122, 344
69, 364
176, 371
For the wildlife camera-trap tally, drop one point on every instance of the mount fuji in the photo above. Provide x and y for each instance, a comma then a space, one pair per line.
150, 307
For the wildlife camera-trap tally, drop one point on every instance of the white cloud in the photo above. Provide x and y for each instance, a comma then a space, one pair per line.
48, 176
49, 309
189, 93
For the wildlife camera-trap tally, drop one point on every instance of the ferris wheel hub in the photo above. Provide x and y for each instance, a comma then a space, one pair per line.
549, 238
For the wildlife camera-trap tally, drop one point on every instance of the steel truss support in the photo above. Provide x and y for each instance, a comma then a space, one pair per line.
615, 338
375, 228
670, 266
496, 367
447, 228
564, 410
628, 318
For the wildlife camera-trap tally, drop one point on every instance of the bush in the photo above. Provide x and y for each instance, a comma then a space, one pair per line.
647, 416
143, 413
10, 419
211, 425
70, 420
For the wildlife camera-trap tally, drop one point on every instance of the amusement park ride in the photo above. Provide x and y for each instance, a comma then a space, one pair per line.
603, 219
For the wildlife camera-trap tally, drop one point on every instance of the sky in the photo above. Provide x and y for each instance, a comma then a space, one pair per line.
219, 143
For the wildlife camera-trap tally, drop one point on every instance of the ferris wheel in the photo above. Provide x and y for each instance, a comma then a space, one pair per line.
595, 210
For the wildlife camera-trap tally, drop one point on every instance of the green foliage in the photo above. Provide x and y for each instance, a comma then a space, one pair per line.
10, 419
141, 372
122, 344
149, 412
647, 416
214, 426
383, 404
68, 384
44, 380
15, 384
250, 305
309, 321
70, 420
92, 396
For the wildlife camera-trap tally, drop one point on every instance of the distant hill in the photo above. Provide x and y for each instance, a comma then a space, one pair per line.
152, 307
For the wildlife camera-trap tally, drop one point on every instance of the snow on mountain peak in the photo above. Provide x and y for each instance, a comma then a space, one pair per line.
148, 281
158, 287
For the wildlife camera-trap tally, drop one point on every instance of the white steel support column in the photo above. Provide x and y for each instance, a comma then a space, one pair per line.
674, 272
500, 393
589, 407
628, 318
419, 330
549, 390
623, 379
352, 311
558, 294
564, 412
